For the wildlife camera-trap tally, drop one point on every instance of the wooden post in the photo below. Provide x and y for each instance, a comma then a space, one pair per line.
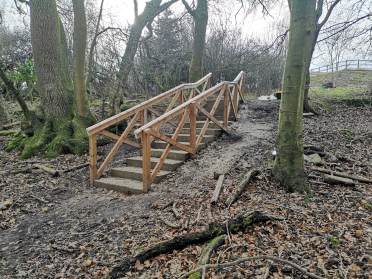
358, 64
92, 158
192, 116
146, 160
346, 64
226, 109
145, 116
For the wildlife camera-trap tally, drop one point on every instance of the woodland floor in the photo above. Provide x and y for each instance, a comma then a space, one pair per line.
62, 228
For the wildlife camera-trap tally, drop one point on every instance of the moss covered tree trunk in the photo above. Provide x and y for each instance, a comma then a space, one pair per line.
289, 164
200, 17
3, 113
59, 131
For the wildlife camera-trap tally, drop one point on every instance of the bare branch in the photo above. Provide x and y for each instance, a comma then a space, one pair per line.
328, 14
188, 8
135, 9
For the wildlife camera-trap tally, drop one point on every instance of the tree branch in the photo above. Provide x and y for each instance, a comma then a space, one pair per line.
328, 14
241, 260
135, 9
188, 8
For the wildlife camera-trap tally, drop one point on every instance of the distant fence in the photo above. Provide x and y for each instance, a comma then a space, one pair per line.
344, 65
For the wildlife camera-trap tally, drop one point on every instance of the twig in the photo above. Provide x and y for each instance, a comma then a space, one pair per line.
169, 224
175, 211
245, 259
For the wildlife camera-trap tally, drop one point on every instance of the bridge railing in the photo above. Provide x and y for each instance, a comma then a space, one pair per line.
228, 92
138, 115
344, 65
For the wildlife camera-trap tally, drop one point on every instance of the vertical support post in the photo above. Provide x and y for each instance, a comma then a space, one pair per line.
92, 158
192, 116
145, 117
358, 64
142, 117
226, 108
346, 64
146, 160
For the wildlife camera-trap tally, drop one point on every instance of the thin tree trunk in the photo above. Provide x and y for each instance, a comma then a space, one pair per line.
289, 164
10, 87
200, 16
79, 48
92, 47
152, 9
3, 113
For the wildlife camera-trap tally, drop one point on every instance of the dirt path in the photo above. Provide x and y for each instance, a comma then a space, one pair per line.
78, 224
62, 228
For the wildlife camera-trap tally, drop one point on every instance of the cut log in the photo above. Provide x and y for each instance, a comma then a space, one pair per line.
208, 250
242, 185
218, 189
240, 223
332, 179
49, 170
343, 174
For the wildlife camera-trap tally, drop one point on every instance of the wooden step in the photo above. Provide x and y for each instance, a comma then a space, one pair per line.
200, 124
173, 154
135, 173
209, 131
158, 144
169, 164
120, 185
186, 137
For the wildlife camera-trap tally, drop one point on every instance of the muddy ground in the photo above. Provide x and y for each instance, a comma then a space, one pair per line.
62, 228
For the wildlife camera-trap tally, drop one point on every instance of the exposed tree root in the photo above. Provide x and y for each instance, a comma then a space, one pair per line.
206, 254
53, 138
240, 223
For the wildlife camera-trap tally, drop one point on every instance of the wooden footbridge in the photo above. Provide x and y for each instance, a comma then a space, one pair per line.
168, 129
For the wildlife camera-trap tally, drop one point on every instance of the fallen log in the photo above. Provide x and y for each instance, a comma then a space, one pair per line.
218, 189
49, 170
332, 179
242, 185
206, 254
342, 174
241, 223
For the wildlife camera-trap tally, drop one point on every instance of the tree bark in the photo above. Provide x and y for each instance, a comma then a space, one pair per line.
3, 113
289, 164
200, 17
79, 48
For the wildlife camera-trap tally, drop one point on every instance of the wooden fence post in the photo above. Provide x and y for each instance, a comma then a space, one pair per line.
92, 158
226, 108
146, 160
192, 117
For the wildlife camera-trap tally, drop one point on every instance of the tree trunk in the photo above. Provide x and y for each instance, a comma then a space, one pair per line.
200, 16
92, 47
31, 118
79, 48
60, 131
152, 9
3, 113
289, 164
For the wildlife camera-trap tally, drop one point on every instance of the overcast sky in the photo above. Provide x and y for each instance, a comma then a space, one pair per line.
253, 24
